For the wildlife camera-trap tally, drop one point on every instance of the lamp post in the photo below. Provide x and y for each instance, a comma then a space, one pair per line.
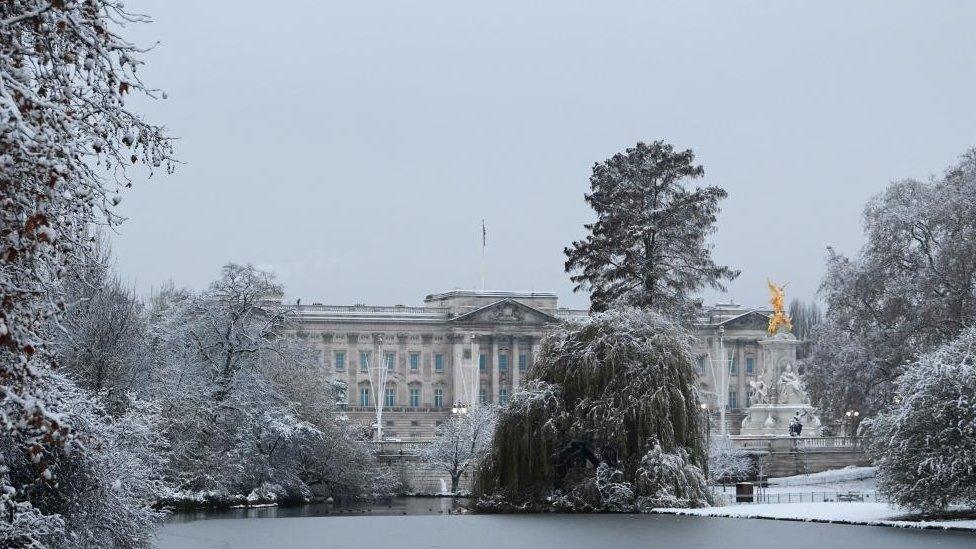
852, 416
720, 376
708, 419
381, 373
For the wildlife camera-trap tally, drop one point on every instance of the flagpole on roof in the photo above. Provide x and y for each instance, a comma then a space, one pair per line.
484, 239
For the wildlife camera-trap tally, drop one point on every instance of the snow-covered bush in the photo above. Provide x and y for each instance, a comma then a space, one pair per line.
725, 461
96, 491
924, 445
609, 420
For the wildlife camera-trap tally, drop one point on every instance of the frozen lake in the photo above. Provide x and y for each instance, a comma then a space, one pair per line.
541, 531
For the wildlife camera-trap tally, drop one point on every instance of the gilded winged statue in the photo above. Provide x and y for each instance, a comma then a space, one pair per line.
779, 318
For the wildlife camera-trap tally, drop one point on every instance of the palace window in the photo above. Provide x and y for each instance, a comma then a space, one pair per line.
415, 397
390, 423
364, 361
502, 363
734, 366
523, 362
439, 398
364, 396
750, 365
414, 362
340, 361
483, 395
390, 361
438, 363
502, 397
701, 365
482, 362
391, 396
733, 399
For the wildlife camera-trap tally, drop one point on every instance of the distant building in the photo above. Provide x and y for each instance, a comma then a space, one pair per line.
466, 347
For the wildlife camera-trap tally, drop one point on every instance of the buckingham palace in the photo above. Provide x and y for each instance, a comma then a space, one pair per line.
468, 347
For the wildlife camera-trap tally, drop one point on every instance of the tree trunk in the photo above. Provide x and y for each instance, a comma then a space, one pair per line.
455, 480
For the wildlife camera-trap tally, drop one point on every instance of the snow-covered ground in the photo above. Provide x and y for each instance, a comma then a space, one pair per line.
880, 514
836, 476
818, 497
851, 482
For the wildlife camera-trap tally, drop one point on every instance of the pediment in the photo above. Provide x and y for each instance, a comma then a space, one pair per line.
752, 320
506, 311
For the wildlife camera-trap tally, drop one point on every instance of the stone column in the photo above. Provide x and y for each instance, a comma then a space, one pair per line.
513, 363
495, 372
457, 376
475, 382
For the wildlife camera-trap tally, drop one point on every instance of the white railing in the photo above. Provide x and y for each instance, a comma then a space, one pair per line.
799, 443
829, 442
411, 447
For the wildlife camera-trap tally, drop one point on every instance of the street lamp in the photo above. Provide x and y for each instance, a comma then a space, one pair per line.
708, 419
459, 408
851, 418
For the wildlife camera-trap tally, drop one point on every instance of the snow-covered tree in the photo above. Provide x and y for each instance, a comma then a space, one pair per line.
924, 444
247, 407
609, 420
911, 288
804, 317
461, 442
648, 246
66, 140
101, 344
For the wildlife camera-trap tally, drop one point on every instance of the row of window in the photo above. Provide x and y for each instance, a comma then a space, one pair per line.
523, 362
733, 365
389, 359
390, 398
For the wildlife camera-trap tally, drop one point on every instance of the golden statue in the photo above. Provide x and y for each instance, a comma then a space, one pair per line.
779, 317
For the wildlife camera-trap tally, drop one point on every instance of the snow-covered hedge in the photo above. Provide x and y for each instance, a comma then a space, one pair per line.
609, 420
925, 444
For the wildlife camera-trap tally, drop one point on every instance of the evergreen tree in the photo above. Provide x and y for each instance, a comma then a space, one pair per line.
648, 245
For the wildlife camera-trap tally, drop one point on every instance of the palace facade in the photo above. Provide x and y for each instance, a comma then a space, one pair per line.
465, 347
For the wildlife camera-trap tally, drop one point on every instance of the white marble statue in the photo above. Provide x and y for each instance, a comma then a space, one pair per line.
758, 392
791, 388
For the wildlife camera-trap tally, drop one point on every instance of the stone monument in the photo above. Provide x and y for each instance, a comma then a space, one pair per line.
778, 393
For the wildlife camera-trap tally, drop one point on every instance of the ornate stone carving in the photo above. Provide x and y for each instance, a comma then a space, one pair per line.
507, 313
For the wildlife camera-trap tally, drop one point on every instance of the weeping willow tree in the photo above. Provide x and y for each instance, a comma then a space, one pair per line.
609, 420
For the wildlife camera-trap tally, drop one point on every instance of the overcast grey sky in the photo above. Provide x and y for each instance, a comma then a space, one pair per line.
354, 147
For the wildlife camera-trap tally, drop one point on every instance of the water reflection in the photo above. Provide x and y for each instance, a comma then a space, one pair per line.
382, 506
